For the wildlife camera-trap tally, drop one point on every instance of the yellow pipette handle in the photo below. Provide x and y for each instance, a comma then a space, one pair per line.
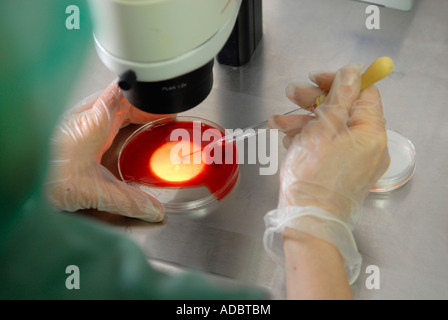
377, 71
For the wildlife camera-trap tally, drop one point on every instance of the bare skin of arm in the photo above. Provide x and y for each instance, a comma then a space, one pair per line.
314, 269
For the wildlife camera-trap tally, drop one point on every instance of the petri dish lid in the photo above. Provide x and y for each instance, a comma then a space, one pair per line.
402, 163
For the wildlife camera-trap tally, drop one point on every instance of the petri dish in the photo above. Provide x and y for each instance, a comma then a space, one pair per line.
402, 163
167, 160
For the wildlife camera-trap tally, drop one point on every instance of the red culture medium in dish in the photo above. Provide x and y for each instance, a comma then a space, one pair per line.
135, 160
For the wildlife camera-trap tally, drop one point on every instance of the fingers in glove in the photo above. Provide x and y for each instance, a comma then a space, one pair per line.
290, 124
120, 198
367, 119
100, 190
94, 129
287, 140
303, 94
333, 114
92, 186
346, 87
109, 110
367, 112
323, 79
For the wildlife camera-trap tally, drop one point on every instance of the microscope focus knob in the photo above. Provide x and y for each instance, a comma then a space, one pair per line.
127, 80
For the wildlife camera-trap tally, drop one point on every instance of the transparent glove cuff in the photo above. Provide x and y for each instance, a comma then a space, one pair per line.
318, 223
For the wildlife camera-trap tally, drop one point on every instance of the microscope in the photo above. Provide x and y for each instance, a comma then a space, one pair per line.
163, 51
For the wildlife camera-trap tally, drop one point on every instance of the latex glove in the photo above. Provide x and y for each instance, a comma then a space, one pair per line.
333, 160
77, 180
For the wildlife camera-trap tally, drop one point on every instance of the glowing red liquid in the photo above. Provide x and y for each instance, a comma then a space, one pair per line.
135, 158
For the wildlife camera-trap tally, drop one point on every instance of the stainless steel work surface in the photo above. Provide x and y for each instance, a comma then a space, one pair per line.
403, 233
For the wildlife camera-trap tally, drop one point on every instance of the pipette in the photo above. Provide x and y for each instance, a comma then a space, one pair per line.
377, 71
239, 134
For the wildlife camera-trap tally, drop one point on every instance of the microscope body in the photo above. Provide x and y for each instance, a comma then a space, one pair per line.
163, 50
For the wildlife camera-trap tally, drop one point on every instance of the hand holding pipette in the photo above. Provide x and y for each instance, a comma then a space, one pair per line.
377, 71
331, 164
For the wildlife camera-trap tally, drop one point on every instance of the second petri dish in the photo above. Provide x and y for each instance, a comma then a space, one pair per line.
402, 163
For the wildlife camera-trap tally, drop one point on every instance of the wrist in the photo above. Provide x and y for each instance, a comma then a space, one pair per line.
316, 265
314, 227
307, 244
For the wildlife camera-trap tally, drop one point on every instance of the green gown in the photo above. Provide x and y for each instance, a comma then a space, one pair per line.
39, 59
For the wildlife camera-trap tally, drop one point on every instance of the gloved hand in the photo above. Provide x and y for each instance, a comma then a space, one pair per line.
77, 180
333, 160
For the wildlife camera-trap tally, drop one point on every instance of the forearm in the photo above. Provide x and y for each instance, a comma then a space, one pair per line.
314, 268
